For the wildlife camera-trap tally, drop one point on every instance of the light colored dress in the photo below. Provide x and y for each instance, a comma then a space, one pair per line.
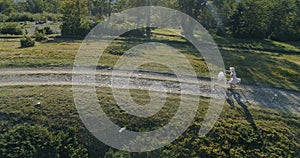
221, 77
233, 80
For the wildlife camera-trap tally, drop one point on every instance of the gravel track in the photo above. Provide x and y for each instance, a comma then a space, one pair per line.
285, 100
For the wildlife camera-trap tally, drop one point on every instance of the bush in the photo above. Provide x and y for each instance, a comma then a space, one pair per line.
40, 35
117, 50
285, 35
135, 33
11, 28
53, 17
68, 144
14, 17
48, 30
3, 18
27, 141
27, 42
77, 27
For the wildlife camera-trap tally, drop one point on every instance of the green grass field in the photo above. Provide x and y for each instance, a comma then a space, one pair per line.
247, 131
258, 62
241, 131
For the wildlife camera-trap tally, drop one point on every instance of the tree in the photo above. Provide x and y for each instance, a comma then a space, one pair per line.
6, 7
52, 6
145, 18
35, 6
275, 19
100, 8
251, 19
224, 9
73, 13
285, 20
193, 9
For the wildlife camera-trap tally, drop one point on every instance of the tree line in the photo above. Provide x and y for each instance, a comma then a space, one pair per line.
258, 19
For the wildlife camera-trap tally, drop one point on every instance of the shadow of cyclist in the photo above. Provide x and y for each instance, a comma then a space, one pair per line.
231, 96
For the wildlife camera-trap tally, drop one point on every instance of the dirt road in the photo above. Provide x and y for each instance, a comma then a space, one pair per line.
285, 100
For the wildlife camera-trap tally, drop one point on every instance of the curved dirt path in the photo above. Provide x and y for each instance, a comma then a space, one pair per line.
285, 100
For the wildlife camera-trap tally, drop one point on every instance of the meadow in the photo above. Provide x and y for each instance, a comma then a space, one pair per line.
258, 62
52, 128
241, 130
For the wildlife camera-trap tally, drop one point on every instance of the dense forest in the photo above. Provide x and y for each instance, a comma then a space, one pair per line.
258, 19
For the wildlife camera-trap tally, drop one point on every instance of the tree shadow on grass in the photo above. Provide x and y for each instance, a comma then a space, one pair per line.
233, 96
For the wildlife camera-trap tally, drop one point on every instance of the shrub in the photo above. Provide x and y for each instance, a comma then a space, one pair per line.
285, 35
40, 35
11, 28
14, 17
48, 30
27, 42
135, 33
53, 17
3, 18
77, 27
68, 144
27, 141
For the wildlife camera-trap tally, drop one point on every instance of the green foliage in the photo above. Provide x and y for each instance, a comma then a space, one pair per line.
6, 6
100, 9
117, 154
11, 28
28, 142
74, 23
3, 18
285, 20
74, 26
35, 6
277, 133
40, 35
251, 20
191, 8
48, 30
38, 142
276, 19
224, 10
52, 17
68, 145
17, 17
138, 33
117, 50
26, 16
70, 26
85, 26
27, 41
